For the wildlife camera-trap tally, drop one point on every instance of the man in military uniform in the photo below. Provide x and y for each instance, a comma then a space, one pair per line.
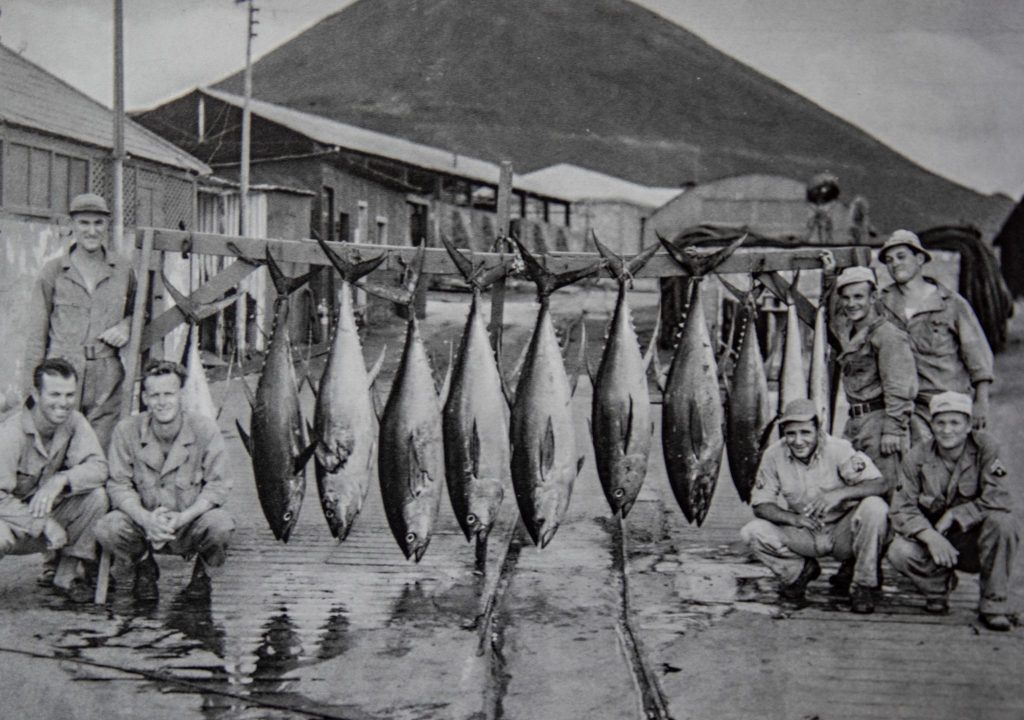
52, 473
80, 313
167, 485
950, 348
814, 496
953, 511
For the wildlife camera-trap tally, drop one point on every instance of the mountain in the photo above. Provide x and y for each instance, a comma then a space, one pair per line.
604, 84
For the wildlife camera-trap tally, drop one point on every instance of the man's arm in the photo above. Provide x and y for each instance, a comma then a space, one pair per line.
84, 464
121, 485
976, 356
908, 520
10, 455
216, 484
861, 479
898, 372
994, 495
776, 515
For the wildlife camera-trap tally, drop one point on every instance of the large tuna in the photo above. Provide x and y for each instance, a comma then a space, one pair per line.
820, 390
692, 437
544, 459
278, 443
410, 458
621, 425
792, 375
749, 410
343, 422
476, 447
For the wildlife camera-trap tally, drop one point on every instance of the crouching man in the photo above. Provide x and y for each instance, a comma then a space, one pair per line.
833, 506
52, 472
952, 511
167, 485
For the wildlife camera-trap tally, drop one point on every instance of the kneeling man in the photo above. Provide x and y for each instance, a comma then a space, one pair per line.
833, 506
167, 485
52, 472
952, 511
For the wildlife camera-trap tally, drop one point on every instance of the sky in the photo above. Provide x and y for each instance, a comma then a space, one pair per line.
941, 81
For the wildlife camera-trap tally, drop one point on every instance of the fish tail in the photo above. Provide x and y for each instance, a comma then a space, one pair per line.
547, 282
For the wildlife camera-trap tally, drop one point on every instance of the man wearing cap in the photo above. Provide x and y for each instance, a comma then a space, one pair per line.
80, 313
52, 473
953, 511
950, 348
167, 485
815, 495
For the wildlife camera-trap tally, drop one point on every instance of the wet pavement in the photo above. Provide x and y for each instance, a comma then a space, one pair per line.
661, 620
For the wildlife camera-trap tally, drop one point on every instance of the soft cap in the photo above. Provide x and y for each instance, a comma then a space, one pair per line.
799, 410
89, 203
951, 402
856, 274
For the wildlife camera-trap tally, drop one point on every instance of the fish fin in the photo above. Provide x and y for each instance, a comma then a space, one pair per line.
590, 428
507, 391
579, 463
312, 383
518, 365
244, 436
486, 278
418, 477
248, 393
787, 293
474, 450
614, 263
447, 384
350, 271
696, 426
378, 409
590, 373
547, 450
741, 295
188, 308
462, 263
283, 284
638, 261
652, 346
547, 282
660, 373
700, 264
405, 294
375, 370
627, 434
303, 457
766, 434
227, 384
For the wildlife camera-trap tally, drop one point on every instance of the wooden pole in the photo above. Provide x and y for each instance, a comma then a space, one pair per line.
241, 305
501, 245
131, 358
117, 166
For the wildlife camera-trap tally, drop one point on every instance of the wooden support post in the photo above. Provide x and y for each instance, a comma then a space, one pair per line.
102, 578
501, 245
131, 358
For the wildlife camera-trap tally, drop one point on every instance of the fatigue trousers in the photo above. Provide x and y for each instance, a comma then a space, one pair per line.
77, 514
988, 549
207, 536
101, 395
865, 434
859, 535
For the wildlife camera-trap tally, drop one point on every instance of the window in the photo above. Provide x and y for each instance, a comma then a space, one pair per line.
362, 227
344, 231
382, 230
39, 180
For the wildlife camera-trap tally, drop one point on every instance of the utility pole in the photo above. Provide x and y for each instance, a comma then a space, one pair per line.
241, 305
117, 166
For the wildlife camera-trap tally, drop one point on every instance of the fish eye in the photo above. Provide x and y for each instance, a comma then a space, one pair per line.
410, 537
619, 492
471, 519
328, 513
287, 517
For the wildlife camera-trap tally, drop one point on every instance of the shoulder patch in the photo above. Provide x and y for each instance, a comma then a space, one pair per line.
997, 469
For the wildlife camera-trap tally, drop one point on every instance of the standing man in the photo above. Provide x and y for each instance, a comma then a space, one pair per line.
953, 511
52, 473
815, 496
950, 348
80, 312
167, 485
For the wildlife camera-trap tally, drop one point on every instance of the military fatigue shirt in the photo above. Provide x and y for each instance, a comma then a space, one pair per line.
26, 462
949, 345
193, 468
877, 362
926, 488
66, 317
834, 464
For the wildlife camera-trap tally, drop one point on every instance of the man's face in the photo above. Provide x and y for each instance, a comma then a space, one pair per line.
951, 429
801, 438
162, 394
56, 398
903, 263
90, 230
856, 300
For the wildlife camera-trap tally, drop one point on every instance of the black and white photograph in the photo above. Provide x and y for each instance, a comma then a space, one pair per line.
511, 359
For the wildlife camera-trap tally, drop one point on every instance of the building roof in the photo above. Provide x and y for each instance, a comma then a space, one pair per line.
577, 184
36, 99
333, 132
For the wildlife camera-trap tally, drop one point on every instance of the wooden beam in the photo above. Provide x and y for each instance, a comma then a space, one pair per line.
503, 201
437, 262
131, 359
227, 279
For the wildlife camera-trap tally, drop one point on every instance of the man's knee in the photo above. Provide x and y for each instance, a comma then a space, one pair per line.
902, 552
873, 511
757, 531
7, 539
1001, 524
96, 502
111, 527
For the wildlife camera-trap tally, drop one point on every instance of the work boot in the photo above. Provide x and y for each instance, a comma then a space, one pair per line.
147, 572
995, 621
45, 578
936, 605
841, 580
862, 599
796, 589
80, 591
198, 588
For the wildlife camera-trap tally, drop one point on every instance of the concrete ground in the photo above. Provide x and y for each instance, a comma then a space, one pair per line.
661, 620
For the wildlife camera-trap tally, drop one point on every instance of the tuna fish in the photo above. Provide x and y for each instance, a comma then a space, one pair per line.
820, 391
621, 425
410, 458
544, 460
692, 437
476, 447
278, 444
749, 413
792, 376
343, 421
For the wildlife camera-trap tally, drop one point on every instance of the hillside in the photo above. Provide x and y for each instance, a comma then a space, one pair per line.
604, 84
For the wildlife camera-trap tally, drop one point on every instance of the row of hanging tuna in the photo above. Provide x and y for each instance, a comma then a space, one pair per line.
479, 436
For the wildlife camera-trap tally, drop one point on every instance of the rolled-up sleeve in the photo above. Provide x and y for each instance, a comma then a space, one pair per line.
121, 461
216, 483
974, 348
85, 465
10, 454
898, 372
767, 487
905, 514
